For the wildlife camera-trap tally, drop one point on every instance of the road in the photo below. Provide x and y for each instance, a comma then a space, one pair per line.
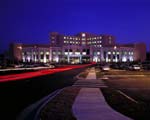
16, 95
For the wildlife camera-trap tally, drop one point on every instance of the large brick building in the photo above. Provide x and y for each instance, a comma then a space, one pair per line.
80, 48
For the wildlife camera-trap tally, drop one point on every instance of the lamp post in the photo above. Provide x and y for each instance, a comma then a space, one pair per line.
115, 47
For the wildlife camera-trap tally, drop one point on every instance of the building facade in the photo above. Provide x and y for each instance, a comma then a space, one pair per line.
80, 48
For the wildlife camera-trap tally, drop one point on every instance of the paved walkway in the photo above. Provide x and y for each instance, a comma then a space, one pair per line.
90, 81
91, 105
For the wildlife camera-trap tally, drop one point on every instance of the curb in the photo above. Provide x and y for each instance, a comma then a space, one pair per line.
36, 117
37, 106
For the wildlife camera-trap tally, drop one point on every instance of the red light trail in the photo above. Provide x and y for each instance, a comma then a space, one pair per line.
12, 77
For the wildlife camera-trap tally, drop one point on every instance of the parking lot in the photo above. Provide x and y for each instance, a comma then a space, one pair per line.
134, 86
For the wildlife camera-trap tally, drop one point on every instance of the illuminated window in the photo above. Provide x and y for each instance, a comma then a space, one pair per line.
66, 53
83, 53
83, 34
41, 52
83, 43
64, 37
53, 52
42, 60
59, 52
131, 58
129, 53
70, 53
115, 47
124, 59
98, 53
100, 37
117, 52
109, 60
19, 47
77, 53
47, 53
109, 52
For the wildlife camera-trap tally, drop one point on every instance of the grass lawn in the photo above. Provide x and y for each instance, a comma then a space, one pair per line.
84, 73
60, 108
99, 73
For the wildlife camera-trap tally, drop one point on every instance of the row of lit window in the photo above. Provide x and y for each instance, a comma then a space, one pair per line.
96, 53
28, 53
95, 41
76, 53
71, 38
74, 38
83, 43
54, 53
36, 57
71, 42
98, 45
130, 53
79, 42
94, 38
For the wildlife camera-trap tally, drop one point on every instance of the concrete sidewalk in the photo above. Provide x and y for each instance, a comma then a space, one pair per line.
91, 75
90, 104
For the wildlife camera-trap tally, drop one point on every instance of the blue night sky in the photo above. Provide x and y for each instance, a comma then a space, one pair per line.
30, 21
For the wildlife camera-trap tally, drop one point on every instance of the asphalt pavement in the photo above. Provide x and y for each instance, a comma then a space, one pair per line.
17, 95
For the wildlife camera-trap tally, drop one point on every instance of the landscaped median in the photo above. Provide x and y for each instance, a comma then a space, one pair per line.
60, 107
83, 74
99, 73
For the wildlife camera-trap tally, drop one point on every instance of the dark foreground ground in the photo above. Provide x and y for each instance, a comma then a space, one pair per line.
16, 95
129, 93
